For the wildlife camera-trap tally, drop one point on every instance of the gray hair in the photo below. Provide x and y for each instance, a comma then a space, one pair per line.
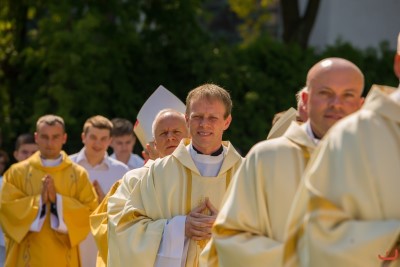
160, 114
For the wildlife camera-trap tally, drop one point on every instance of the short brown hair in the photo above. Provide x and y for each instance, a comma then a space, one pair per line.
122, 127
22, 139
210, 91
99, 122
50, 119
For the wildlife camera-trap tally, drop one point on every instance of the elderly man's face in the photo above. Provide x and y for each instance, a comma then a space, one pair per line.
170, 129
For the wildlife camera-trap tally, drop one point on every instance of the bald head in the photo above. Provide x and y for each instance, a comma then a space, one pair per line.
338, 69
334, 91
169, 128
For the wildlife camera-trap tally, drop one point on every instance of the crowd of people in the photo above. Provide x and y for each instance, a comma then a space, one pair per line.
320, 191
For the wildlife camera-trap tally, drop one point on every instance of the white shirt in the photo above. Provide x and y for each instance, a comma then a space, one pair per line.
135, 161
106, 173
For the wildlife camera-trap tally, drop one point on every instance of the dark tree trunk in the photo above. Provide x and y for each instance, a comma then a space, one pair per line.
296, 28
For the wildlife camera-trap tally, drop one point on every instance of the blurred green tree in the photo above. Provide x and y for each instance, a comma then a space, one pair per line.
82, 58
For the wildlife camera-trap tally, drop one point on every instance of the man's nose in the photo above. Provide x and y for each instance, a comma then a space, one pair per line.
336, 101
170, 135
203, 121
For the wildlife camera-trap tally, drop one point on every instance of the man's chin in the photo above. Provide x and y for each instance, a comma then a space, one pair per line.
333, 117
171, 149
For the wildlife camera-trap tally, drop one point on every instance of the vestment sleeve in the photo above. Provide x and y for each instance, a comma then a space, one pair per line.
338, 218
18, 210
241, 234
140, 228
76, 210
115, 206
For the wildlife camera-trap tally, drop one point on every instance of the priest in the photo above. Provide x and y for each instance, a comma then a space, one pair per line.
168, 218
249, 231
346, 212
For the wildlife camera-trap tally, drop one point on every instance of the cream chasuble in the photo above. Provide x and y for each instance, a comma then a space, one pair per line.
283, 123
115, 200
172, 187
347, 212
20, 200
249, 229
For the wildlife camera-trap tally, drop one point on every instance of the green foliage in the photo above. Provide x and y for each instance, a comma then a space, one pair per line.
82, 58
255, 16
267, 78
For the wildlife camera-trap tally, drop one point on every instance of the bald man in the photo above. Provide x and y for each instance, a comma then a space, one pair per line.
346, 212
169, 128
249, 230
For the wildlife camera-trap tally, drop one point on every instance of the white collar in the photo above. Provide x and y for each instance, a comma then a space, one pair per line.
82, 157
51, 162
307, 127
197, 157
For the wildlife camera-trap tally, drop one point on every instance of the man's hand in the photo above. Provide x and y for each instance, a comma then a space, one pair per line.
51, 189
48, 190
198, 225
98, 190
153, 153
213, 210
45, 197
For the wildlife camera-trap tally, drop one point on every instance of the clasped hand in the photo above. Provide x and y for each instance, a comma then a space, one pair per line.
198, 225
48, 190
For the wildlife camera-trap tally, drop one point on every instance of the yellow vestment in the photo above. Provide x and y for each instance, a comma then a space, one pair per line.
20, 203
173, 186
98, 226
249, 230
346, 212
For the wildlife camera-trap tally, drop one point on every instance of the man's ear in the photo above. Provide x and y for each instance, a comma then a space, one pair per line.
362, 100
228, 122
83, 135
304, 97
396, 65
